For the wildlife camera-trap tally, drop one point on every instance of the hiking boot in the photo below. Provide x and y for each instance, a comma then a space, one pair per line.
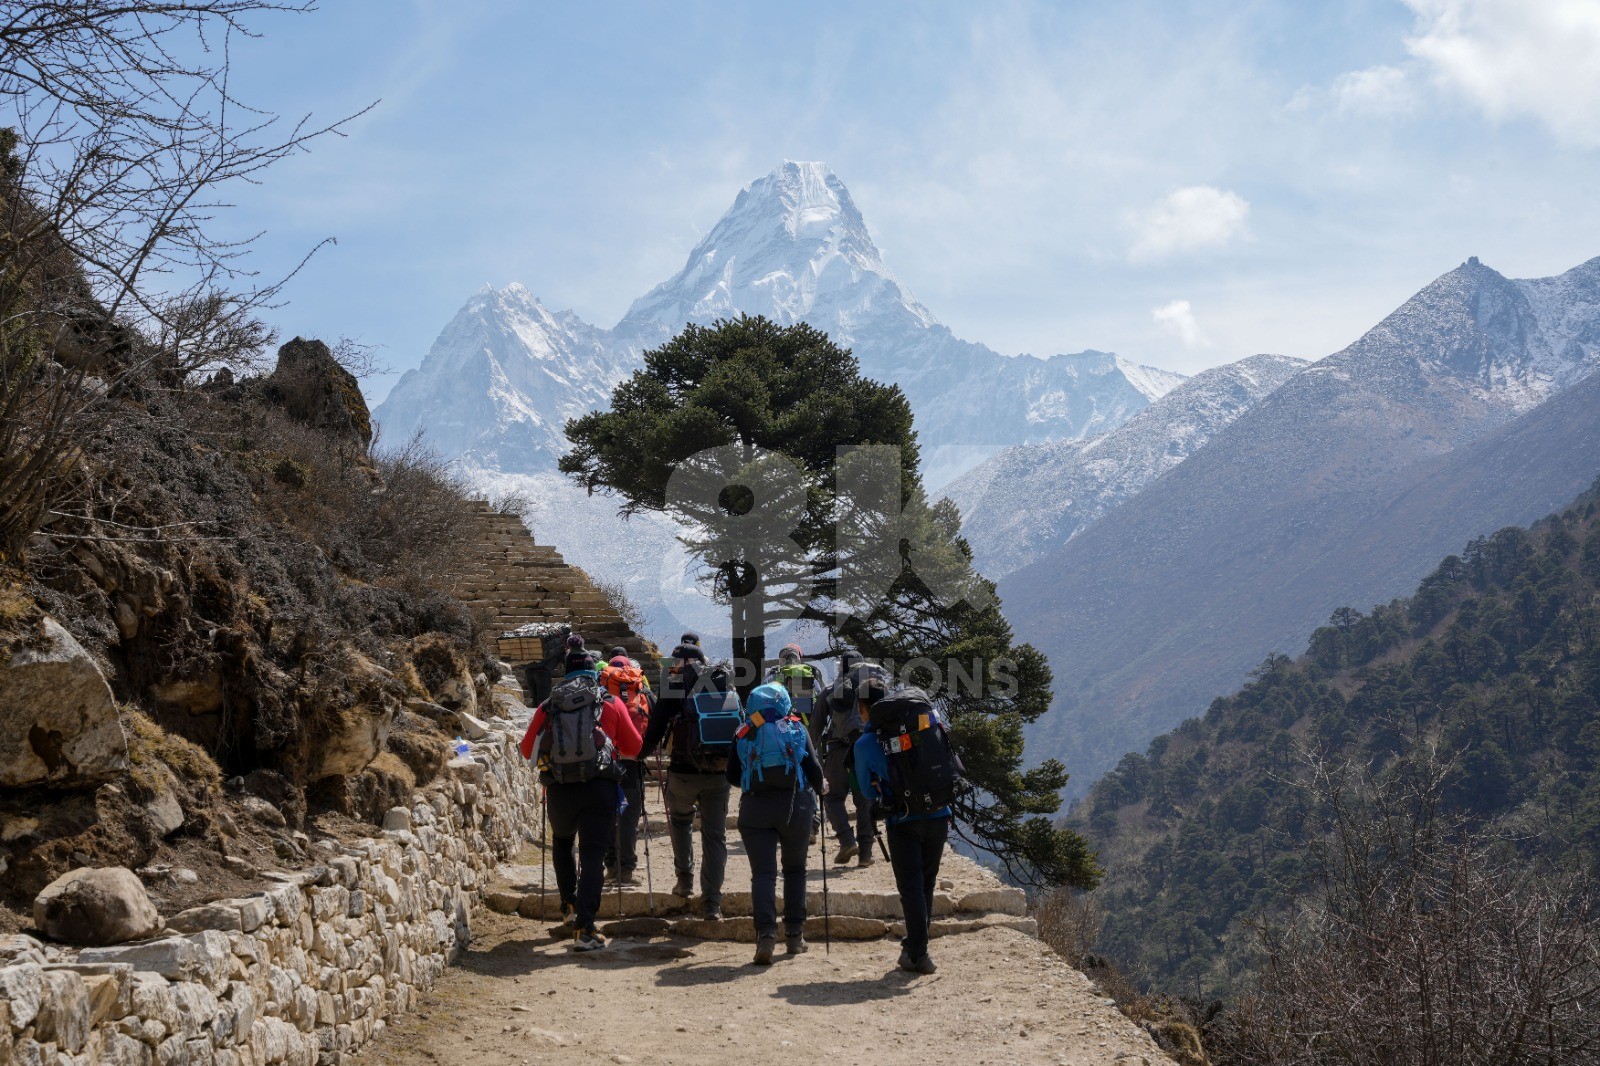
713, 910
906, 962
611, 873
569, 914
795, 944
629, 879
589, 940
685, 885
846, 853
925, 965
866, 858
764, 949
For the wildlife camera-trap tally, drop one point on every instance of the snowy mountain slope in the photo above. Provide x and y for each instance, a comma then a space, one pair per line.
794, 247
1032, 498
506, 373
501, 380
1301, 505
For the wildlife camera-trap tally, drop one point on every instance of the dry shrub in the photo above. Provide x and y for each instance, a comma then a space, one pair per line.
150, 745
1422, 941
622, 605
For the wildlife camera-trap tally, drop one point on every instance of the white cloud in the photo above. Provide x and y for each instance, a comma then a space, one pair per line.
1381, 90
1535, 59
1196, 216
1177, 318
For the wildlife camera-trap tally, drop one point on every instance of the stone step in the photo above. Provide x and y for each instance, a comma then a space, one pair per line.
842, 903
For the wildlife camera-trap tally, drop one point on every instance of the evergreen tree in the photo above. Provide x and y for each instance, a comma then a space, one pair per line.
742, 432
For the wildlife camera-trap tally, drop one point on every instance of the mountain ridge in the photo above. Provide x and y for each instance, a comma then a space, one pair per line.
1181, 590
793, 247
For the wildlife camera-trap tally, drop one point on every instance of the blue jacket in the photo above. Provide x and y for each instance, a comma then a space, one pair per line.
872, 773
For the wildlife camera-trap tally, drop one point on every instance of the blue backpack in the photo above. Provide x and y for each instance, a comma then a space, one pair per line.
772, 743
716, 722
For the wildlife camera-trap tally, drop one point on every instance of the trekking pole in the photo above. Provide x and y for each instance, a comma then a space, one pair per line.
644, 827
622, 806
827, 935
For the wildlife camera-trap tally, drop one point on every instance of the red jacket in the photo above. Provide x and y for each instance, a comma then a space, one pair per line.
615, 722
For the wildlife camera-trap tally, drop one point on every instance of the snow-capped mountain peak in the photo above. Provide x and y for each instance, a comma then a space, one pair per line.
793, 246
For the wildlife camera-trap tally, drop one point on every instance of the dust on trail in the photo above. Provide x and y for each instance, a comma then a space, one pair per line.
520, 996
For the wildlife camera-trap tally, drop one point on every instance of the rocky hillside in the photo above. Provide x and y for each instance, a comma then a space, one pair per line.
1469, 408
1494, 661
238, 622
1032, 498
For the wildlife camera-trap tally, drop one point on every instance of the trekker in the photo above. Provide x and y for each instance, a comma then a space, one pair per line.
906, 765
580, 735
696, 713
803, 681
623, 679
778, 776
805, 685
835, 725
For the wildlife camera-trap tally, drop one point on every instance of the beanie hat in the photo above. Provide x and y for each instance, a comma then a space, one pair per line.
689, 638
788, 649
619, 650
621, 662
575, 641
578, 659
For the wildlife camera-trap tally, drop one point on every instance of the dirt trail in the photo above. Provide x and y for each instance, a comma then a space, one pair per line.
521, 996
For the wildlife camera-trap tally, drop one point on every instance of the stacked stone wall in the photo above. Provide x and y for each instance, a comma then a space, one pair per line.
303, 972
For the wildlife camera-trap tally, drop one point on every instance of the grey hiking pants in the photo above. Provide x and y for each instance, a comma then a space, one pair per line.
707, 793
836, 768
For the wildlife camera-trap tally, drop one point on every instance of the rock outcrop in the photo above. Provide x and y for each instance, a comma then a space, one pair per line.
58, 718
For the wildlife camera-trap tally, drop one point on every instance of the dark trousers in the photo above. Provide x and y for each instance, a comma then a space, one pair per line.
630, 819
707, 793
585, 814
770, 822
915, 849
836, 768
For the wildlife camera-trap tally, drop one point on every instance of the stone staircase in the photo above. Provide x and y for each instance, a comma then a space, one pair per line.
512, 581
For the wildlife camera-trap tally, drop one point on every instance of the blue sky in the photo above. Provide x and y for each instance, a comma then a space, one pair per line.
1184, 183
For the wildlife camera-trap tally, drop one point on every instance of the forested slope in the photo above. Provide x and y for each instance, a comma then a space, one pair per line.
1495, 658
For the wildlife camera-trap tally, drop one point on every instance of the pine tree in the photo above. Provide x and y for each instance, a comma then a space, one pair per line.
743, 418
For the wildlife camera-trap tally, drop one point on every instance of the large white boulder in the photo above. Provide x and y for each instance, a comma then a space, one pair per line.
58, 719
96, 906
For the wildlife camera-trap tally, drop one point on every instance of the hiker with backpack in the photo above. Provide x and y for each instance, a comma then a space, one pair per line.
623, 679
835, 725
805, 684
580, 735
696, 714
907, 768
778, 776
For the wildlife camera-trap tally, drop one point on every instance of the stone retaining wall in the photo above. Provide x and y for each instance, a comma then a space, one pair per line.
301, 973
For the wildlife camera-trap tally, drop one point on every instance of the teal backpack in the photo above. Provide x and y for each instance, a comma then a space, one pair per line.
772, 743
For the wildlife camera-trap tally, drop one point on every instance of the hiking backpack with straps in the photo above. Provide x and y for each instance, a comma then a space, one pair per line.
844, 706
575, 747
772, 744
923, 768
627, 684
800, 680
716, 718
